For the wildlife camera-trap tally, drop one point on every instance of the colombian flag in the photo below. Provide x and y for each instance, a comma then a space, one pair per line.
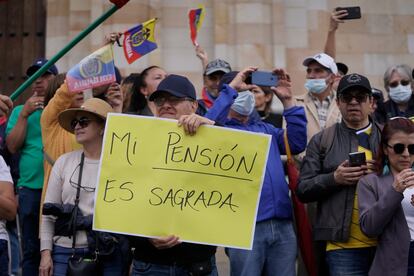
139, 40
196, 18
94, 70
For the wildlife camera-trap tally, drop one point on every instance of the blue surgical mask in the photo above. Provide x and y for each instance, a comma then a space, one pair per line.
316, 86
401, 93
244, 103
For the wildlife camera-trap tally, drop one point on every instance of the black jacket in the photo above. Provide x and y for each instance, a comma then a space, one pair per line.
316, 182
389, 109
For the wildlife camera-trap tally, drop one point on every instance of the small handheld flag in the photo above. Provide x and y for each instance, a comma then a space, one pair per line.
95, 70
196, 17
139, 40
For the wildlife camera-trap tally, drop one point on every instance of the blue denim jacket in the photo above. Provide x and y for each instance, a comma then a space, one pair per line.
274, 199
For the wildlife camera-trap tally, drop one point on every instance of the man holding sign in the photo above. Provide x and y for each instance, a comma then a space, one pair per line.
175, 97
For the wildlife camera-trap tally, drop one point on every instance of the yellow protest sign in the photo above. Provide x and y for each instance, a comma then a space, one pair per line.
155, 180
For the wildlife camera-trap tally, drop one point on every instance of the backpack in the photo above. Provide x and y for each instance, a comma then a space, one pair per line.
328, 135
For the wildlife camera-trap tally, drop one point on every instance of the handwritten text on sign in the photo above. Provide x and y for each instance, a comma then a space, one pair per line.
155, 180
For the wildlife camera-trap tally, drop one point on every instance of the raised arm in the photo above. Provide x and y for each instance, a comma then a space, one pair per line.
295, 116
202, 55
335, 19
17, 125
220, 109
61, 101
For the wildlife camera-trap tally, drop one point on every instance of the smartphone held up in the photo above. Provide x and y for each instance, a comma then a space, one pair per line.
353, 12
263, 78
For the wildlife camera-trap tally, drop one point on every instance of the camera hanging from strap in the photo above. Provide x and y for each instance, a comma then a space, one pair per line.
79, 266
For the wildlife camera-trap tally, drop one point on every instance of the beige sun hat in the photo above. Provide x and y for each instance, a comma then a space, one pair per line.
93, 106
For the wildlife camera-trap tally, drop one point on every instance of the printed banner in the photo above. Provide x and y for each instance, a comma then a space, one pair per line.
155, 181
139, 40
196, 17
94, 70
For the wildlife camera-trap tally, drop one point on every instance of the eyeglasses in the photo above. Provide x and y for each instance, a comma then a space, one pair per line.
75, 184
396, 83
160, 101
82, 121
400, 148
347, 97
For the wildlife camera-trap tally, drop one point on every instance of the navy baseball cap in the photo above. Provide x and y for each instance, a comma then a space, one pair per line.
178, 86
39, 63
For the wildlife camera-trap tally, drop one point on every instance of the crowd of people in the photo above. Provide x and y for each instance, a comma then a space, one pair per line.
362, 214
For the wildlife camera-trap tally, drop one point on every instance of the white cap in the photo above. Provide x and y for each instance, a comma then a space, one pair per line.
324, 60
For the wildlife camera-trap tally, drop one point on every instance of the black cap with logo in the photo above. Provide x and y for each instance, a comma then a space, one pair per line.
354, 82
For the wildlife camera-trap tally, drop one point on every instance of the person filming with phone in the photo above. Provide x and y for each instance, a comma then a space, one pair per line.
327, 177
384, 201
274, 245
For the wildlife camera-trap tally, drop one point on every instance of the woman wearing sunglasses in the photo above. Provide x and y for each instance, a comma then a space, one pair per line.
398, 82
74, 176
384, 201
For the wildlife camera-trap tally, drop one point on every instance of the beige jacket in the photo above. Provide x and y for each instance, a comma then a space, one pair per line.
313, 126
333, 116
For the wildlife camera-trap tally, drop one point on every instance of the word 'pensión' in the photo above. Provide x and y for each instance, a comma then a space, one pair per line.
178, 153
191, 199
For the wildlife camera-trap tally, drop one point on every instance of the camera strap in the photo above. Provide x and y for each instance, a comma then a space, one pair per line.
75, 214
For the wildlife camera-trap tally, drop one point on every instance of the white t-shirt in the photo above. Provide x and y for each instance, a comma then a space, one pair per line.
409, 210
4, 177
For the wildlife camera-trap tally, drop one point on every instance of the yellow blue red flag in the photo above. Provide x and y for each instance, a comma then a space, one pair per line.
139, 40
95, 70
196, 17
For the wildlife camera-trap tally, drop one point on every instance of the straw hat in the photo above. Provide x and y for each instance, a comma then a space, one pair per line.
93, 106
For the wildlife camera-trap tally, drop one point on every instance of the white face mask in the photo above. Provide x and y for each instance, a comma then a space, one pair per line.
316, 86
244, 103
401, 93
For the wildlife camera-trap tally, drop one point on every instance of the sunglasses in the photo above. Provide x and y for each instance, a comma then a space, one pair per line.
400, 148
82, 121
396, 83
347, 97
160, 101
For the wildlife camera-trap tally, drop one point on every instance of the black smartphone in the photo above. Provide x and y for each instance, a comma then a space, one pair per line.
357, 159
353, 12
262, 78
